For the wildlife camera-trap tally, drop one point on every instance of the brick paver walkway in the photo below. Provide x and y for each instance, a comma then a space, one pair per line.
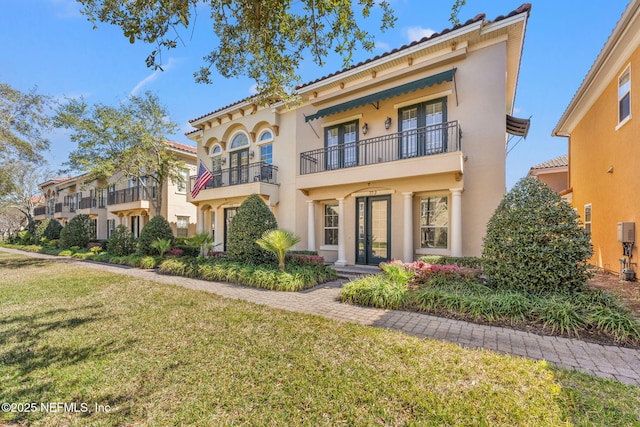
620, 363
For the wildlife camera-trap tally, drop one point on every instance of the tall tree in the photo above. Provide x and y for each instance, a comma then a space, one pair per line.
262, 39
23, 193
24, 120
128, 139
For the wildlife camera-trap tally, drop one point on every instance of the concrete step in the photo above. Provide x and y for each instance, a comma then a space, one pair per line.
352, 272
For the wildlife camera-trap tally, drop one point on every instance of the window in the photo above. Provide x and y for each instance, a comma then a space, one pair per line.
265, 136
624, 95
434, 222
182, 226
240, 140
266, 154
587, 218
331, 224
423, 130
102, 199
341, 143
111, 225
182, 186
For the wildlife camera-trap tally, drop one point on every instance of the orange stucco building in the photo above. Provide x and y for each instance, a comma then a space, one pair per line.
604, 151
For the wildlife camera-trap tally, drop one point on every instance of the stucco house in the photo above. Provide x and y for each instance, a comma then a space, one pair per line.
602, 140
397, 156
120, 200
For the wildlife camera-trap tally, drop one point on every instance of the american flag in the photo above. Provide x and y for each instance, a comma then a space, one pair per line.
204, 176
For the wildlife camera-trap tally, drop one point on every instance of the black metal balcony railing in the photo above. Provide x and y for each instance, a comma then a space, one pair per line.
128, 195
40, 210
425, 141
253, 172
57, 208
88, 202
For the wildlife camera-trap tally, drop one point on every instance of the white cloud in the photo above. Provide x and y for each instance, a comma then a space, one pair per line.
516, 110
416, 33
67, 8
153, 76
382, 45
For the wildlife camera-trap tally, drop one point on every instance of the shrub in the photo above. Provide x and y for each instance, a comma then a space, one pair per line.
48, 229
157, 228
161, 245
535, 243
175, 252
252, 220
77, 232
202, 241
304, 259
278, 243
25, 237
376, 291
188, 250
468, 261
121, 242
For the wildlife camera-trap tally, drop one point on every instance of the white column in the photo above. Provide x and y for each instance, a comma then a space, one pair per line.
342, 253
200, 226
456, 221
218, 238
311, 225
407, 253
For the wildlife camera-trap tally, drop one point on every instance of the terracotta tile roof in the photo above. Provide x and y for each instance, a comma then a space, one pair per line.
526, 7
553, 163
182, 147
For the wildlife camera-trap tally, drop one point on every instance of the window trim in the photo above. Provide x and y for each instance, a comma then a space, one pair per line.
584, 218
325, 245
434, 250
623, 121
259, 141
242, 147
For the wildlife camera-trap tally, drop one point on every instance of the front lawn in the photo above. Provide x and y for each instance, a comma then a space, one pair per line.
159, 355
451, 291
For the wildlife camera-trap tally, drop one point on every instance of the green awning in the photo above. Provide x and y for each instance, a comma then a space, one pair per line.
445, 76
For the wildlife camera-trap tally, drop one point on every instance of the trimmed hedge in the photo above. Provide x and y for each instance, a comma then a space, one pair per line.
250, 223
77, 232
157, 228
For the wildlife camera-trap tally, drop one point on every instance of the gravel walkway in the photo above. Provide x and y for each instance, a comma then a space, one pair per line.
603, 361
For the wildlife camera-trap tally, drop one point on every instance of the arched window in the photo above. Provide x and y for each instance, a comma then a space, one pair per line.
266, 136
239, 141
216, 158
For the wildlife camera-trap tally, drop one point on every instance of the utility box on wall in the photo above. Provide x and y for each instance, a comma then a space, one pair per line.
626, 232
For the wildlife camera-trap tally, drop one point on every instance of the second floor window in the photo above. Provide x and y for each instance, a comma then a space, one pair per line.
341, 143
422, 128
624, 95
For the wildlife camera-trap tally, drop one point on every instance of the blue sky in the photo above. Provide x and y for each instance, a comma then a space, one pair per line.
49, 44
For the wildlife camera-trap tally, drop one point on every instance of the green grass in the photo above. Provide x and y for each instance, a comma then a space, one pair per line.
163, 355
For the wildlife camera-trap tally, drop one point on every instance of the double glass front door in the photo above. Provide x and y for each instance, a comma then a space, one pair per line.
373, 223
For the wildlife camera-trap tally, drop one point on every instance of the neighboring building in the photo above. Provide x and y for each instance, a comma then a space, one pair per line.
603, 141
554, 173
372, 164
120, 200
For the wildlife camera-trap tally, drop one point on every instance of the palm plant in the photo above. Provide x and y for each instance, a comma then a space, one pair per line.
203, 241
161, 245
278, 242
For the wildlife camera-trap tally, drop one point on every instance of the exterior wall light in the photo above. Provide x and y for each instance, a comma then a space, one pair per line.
387, 123
365, 129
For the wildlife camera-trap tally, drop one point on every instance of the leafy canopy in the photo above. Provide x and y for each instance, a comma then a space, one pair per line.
265, 40
128, 139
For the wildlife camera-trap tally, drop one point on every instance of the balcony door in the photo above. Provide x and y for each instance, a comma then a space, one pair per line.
373, 222
422, 129
341, 142
239, 170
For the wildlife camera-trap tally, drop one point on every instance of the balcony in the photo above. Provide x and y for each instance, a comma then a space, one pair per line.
61, 211
90, 206
39, 212
259, 177
130, 199
424, 151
